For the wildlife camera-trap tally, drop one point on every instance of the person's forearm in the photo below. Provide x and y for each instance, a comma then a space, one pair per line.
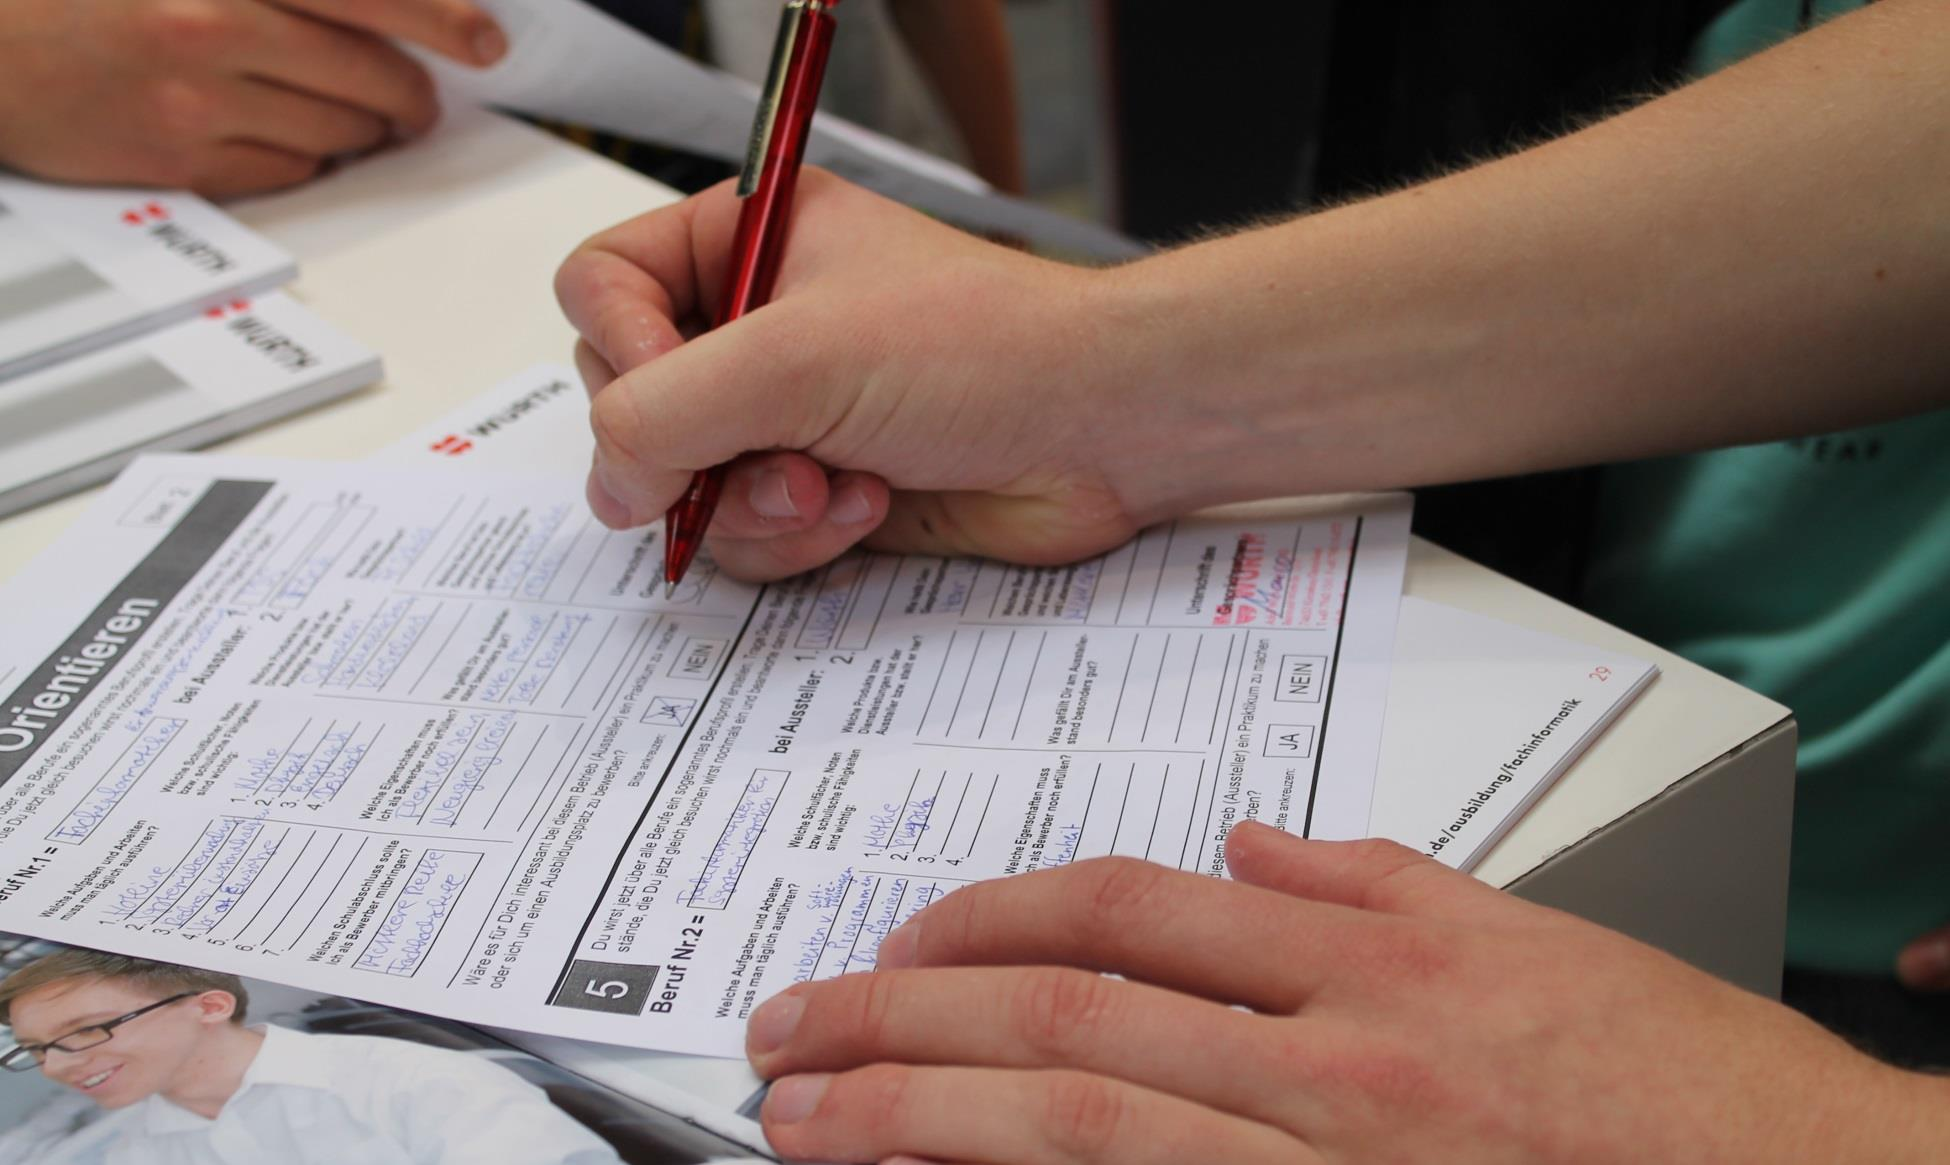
963, 48
1906, 1118
1761, 254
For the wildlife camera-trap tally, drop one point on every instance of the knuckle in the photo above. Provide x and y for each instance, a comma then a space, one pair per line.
873, 1097
464, 21
615, 331
957, 925
414, 100
1400, 874
1383, 849
763, 559
294, 170
573, 274
1411, 954
1083, 1115
356, 13
1057, 1008
374, 128
1380, 1070
614, 421
943, 524
172, 169
355, 129
874, 999
182, 110
422, 91
1118, 889
187, 27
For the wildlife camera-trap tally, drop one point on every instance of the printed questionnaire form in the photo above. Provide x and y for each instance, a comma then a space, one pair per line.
437, 740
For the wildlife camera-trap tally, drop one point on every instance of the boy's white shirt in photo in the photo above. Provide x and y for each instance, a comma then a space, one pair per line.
325, 1098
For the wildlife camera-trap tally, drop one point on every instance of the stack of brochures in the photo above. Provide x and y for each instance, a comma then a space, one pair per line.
134, 320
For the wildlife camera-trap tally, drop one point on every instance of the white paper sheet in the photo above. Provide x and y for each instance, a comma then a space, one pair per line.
1446, 725
572, 62
434, 739
1484, 717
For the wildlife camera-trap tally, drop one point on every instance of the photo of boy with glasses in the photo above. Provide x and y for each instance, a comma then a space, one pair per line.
165, 1050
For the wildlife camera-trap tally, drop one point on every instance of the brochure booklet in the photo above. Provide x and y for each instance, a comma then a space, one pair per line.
81, 268
238, 365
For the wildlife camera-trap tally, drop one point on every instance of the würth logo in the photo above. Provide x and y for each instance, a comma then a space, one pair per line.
155, 221
518, 409
148, 212
264, 338
452, 446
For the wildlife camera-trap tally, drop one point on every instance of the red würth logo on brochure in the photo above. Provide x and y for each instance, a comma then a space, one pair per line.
452, 446
148, 212
235, 307
188, 244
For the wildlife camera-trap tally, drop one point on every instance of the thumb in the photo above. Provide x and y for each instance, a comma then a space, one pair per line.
1924, 965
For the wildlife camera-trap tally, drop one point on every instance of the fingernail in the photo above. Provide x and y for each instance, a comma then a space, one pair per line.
851, 508
794, 1098
771, 498
773, 1023
609, 511
900, 948
490, 44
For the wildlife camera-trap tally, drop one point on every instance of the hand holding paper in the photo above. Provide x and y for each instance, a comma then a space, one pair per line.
224, 97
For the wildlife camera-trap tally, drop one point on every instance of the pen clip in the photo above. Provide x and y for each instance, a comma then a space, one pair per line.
770, 97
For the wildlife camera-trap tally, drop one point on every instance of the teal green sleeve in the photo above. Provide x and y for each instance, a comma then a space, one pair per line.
1817, 572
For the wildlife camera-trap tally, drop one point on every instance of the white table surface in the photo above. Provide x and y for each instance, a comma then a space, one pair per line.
440, 255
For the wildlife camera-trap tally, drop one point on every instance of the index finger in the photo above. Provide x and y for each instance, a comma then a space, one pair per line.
1372, 875
1221, 940
628, 289
456, 29
350, 68
624, 314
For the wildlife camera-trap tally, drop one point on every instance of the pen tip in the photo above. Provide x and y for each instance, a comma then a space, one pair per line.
670, 590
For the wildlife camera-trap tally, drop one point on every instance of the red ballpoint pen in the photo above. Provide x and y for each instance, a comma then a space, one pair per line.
778, 145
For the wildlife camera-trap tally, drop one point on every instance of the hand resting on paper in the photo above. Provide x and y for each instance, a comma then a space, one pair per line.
1399, 1011
224, 97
